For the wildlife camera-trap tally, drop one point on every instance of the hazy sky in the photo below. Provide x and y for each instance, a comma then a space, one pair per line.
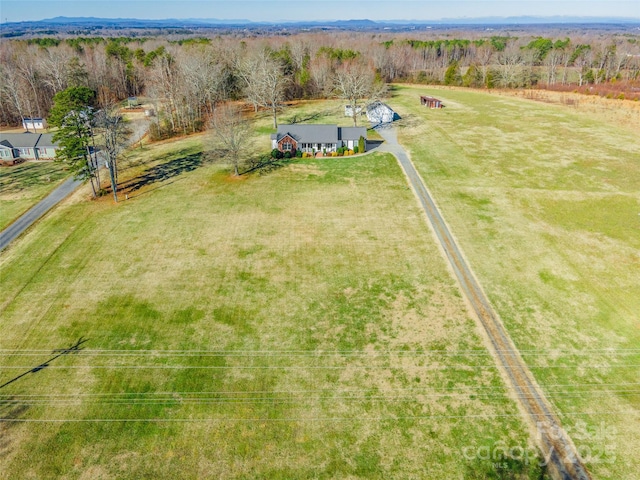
269, 10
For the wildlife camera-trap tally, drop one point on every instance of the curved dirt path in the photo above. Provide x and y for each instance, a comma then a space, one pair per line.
559, 451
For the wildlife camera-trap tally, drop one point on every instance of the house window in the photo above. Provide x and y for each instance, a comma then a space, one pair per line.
287, 147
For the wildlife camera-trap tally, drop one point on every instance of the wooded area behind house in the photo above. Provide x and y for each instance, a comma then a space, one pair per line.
186, 78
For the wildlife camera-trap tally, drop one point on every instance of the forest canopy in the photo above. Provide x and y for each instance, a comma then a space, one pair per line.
185, 78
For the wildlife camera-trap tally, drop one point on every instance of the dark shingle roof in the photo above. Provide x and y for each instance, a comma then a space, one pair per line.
46, 140
27, 140
352, 133
310, 133
20, 140
319, 133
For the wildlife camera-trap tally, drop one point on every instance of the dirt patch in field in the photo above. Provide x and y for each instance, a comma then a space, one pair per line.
432, 324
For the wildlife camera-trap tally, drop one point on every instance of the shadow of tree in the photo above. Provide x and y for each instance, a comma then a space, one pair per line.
265, 164
313, 116
18, 177
300, 119
163, 172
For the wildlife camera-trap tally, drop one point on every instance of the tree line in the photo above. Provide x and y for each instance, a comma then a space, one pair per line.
185, 79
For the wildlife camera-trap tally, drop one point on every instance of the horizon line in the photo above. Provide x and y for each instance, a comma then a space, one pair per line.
396, 20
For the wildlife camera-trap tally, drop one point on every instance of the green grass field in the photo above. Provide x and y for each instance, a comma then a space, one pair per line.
24, 185
300, 324
303, 323
545, 202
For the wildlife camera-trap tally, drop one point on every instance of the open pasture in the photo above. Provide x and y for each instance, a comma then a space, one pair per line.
300, 324
545, 202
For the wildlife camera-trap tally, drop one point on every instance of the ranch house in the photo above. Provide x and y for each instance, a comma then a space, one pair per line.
18, 147
316, 138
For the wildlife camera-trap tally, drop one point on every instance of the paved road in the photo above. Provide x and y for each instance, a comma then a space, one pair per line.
556, 446
14, 230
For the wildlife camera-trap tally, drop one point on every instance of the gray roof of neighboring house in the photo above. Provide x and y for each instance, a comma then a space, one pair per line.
27, 140
352, 133
46, 140
20, 140
308, 133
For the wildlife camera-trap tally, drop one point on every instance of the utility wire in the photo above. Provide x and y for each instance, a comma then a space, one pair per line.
303, 419
324, 353
75, 348
299, 367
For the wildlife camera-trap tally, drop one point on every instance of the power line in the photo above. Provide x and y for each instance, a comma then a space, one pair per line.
301, 419
322, 390
182, 400
306, 367
73, 349
321, 353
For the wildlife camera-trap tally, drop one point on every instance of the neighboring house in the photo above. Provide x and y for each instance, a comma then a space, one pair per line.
430, 102
316, 138
18, 147
33, 124
378, 112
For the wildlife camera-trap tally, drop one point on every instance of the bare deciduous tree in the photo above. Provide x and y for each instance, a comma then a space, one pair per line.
552, 61
114, 132
321, 75
230, 130
510, 65
582, 64
356, 83
55, 64
264, 82
12, 91
484, 58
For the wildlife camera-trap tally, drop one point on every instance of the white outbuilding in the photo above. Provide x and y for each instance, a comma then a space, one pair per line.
34, 124
348, 110
378, 112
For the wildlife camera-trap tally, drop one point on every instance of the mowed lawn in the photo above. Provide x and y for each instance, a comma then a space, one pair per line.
298, 324
545, 202
24, 185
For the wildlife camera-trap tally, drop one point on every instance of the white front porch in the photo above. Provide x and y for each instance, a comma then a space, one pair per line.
318, 147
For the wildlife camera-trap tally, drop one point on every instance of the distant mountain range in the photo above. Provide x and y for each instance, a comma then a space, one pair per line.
189, 26
172, 22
